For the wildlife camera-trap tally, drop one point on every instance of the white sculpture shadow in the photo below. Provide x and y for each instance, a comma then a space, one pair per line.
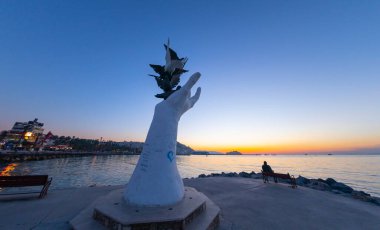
156, 180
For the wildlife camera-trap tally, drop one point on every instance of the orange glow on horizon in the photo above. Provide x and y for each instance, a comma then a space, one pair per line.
301, 148
296, 145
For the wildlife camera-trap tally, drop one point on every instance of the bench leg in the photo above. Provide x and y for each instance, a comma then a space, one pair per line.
45, 189
293, 182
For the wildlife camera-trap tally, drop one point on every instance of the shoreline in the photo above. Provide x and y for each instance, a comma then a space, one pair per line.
329, 185
19, 156
329, 182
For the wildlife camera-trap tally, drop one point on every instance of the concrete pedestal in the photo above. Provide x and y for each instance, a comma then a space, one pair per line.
194, 211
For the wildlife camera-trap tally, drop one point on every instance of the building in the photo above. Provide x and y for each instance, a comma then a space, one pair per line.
25, 134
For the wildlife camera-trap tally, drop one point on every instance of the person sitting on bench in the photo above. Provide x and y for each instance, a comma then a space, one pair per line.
267, 169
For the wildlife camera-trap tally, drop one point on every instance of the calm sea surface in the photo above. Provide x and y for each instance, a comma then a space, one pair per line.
360, 172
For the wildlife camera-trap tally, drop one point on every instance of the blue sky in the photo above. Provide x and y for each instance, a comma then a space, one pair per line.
276, 75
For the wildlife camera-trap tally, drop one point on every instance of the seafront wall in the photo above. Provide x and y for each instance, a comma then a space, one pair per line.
36, 156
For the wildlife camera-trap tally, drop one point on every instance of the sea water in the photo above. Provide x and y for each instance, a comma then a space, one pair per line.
362, 172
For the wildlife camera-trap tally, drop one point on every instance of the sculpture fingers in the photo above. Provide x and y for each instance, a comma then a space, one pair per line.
191, 82
182, 96
195, 98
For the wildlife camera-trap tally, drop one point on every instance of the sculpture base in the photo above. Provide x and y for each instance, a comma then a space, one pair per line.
194, 211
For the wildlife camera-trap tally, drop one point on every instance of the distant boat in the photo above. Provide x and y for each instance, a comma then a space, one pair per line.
234, 153
329, 154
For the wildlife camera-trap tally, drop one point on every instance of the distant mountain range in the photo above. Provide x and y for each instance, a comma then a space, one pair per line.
206, 153
181, 148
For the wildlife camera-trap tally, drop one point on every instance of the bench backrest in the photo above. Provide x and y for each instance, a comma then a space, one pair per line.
279, 175
283, 176
20, 181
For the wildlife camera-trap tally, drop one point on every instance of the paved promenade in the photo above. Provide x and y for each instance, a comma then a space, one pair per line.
245, 204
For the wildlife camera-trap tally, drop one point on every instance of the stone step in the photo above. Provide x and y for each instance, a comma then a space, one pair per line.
89, 224
207, 220
196, 211
84, 220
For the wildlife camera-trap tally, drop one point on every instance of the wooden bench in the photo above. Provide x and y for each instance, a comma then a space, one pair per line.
23, 181
279, 175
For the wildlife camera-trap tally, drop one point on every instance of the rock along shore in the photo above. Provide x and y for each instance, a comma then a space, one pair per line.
329, 185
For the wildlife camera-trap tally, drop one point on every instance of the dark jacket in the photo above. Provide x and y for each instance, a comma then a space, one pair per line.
267, 168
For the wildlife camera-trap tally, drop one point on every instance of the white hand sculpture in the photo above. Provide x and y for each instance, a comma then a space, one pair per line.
155, 180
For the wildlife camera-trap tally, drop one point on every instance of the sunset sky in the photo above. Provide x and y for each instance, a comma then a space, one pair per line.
277, 76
